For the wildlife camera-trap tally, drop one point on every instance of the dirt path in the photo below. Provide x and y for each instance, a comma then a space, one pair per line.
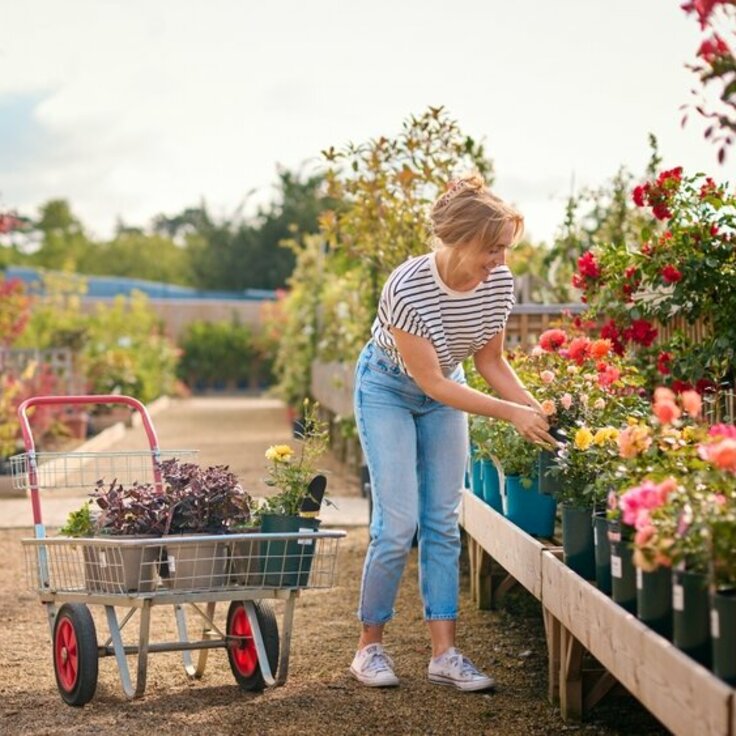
320, 697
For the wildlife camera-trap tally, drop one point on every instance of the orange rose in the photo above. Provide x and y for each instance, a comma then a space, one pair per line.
692, 403
666, 411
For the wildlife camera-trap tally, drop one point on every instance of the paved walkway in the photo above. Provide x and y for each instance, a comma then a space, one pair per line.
233, 431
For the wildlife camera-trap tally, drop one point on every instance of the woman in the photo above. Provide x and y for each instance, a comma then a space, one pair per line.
411, 400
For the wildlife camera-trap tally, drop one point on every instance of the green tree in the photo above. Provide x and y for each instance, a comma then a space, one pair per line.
64, 243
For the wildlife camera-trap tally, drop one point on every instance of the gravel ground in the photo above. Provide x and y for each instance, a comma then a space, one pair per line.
320, 694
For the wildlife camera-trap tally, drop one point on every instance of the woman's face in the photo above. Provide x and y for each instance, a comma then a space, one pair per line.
481, 261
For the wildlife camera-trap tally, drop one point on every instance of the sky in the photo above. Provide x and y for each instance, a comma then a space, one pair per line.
135, 107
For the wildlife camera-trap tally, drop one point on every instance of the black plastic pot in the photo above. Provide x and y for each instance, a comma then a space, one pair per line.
654, 600
548, 483
723, 633
623, 573
578, 542
691, 615
602, 552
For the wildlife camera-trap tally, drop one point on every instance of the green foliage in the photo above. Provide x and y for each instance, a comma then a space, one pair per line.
382, 190
79, 523
499, 440
291, 472
216, 351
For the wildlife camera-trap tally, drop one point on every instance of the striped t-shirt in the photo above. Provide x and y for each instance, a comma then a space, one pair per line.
457, 323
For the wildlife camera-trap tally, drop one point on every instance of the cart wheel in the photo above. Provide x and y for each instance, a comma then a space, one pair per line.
242, 653
75, 654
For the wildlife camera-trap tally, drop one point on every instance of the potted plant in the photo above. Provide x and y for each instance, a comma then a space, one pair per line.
295, 505
517, 458
201, 501
486, 482
137, 512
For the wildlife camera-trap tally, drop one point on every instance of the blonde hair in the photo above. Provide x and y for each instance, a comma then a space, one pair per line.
467, 210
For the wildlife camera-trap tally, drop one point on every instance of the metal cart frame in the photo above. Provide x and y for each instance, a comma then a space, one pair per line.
58, 568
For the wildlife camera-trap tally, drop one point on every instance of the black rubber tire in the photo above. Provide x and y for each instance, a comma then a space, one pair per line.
76, 687
253, 680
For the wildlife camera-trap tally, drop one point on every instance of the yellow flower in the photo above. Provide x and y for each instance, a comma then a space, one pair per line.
605, 434
583, 438
631, 421
690, 433
279, 453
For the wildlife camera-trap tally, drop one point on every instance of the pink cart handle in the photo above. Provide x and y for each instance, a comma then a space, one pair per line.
30, 444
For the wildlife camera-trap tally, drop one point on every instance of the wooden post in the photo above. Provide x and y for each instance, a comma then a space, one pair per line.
552, 635
571, 676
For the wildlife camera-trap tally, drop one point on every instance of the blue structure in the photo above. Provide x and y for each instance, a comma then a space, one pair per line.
107, 287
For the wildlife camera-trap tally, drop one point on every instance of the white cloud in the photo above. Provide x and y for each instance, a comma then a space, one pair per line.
148, 107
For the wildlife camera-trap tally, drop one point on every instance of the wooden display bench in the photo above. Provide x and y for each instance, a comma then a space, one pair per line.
594, 645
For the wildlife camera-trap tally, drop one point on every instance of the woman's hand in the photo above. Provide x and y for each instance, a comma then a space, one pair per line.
532, 425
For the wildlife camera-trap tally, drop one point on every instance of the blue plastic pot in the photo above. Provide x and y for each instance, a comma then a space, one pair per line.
476, 477
529, 509
491, 486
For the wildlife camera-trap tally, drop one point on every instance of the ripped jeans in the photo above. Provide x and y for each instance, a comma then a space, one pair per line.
416, 449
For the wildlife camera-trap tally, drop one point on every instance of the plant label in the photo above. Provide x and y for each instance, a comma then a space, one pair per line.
639, 578
715, 624
305, 542
595, 535
616, 570
171, 560
678, 597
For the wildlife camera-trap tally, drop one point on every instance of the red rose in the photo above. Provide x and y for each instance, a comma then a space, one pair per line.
708, 188
641, 332
679, 386
579, 349
663, 361
714, 230
609, 331
661, 211
551, 340
639, 195
670, 275
588, 266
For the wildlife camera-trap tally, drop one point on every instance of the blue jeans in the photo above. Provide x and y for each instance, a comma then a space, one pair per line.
416, 449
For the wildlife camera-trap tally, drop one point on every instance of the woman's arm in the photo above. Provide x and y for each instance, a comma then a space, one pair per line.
421, 360
500, 376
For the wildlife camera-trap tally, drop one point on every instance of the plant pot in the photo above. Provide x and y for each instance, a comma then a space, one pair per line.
602, 552
548, 483
528, 508
122, 568
654, 599
245, 565
287, 563
578, 542
623, 573
476, 477
193, 565
491, 486
77, 424
723, 633
103, 420
691, 615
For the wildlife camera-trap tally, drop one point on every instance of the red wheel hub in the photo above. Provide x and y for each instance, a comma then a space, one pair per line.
244, 648
66, 654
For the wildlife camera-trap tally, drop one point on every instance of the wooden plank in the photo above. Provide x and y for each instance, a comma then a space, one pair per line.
683, 695
517, 552
571, 676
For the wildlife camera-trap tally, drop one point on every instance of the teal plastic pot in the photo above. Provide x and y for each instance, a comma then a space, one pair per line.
476, 477
602, 552
578, 542
286, 563
529, 509
654, 600
491, 486
723, 634
623, 573
691, 615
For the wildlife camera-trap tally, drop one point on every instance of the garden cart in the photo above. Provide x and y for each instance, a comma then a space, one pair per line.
189, 573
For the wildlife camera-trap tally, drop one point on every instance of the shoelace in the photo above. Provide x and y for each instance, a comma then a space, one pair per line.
466, 667
378, 660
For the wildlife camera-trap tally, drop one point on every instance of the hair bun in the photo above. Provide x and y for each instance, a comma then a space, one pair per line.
472, 182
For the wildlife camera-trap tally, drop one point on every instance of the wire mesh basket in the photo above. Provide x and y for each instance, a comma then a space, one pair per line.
161, 565
75, 470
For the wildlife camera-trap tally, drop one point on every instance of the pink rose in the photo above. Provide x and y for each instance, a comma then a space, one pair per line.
547, 376
566, 401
